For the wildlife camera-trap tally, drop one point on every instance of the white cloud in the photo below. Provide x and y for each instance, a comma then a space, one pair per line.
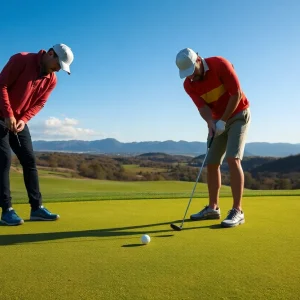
62, 129
55, 122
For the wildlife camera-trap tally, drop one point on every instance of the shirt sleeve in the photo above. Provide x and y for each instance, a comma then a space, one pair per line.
228, 76
8, 76
198, 101
30, 113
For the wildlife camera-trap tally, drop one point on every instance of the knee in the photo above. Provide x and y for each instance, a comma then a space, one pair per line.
233, 162
28, 160
213, 167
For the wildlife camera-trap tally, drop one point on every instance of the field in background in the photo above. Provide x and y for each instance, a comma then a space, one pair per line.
136, 169
261, 173
57, 187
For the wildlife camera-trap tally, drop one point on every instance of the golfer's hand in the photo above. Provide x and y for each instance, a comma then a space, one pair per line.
211, 128
220, 127
11, 124
20, 125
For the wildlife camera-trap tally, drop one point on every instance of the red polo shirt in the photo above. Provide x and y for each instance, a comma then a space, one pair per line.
23, 91
214, 90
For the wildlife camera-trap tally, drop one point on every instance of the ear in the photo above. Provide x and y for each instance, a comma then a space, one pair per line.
51, 52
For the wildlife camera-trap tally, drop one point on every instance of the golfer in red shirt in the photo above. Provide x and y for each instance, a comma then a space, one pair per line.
26, 83
214, 87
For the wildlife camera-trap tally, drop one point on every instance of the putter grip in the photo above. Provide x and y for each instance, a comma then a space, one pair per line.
211, 140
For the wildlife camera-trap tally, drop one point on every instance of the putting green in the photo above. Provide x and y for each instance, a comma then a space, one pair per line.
94, 252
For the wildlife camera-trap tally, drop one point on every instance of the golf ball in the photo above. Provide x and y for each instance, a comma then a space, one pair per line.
145, 239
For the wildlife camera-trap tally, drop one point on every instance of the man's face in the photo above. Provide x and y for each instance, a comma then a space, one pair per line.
51, 63
199, 72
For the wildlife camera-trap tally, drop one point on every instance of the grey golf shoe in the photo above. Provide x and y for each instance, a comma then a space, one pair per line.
234, 218
207, 213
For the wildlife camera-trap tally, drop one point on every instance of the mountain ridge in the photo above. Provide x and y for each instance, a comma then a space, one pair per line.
113, 146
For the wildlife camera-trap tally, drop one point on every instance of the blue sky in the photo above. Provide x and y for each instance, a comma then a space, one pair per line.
124, 82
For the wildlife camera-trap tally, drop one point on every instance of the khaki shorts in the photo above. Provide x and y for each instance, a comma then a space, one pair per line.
232, 141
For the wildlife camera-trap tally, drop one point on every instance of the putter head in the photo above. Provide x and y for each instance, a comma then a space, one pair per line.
175, 227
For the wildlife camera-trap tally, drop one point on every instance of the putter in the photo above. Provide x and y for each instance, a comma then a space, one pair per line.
178, 228
18, 139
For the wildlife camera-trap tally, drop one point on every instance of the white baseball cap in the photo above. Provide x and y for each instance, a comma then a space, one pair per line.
185, 61
65, 56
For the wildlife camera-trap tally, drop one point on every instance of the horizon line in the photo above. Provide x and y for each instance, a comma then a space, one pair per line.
148, 141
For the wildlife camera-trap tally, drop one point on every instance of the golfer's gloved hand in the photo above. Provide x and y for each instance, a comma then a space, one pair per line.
220, 127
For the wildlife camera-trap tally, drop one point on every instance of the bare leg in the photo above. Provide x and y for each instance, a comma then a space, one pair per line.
214, 184
237, 181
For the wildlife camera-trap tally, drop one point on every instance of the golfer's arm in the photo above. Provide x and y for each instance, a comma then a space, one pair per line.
206, 114
5, 103
4, 97
231, 106
8, 76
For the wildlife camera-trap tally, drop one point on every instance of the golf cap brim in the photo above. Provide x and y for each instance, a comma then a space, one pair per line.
65, 67
65, 56
187, 72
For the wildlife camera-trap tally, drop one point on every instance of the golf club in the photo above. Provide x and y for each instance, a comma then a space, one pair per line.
178, 228
18, 139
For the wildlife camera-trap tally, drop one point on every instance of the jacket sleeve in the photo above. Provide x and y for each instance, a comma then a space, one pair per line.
8, 77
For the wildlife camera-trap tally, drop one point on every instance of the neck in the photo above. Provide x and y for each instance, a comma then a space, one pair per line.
201, 68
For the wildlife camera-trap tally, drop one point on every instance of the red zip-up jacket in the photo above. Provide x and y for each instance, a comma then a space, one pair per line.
23, 90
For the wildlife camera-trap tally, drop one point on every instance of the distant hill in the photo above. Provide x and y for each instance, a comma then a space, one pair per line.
113, 146
273, 149
290, 164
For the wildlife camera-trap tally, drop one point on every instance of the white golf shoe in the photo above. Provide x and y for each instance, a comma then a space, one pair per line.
235, 217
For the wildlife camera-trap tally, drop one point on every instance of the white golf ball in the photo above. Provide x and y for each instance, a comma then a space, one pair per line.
145, 239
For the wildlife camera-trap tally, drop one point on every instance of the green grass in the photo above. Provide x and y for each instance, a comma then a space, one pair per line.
46, 172
55, 173
57, 189
134, 169
94, 250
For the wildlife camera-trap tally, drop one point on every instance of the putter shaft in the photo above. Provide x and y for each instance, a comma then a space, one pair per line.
18, 139
200, 171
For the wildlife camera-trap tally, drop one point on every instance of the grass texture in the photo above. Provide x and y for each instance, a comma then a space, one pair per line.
94, 251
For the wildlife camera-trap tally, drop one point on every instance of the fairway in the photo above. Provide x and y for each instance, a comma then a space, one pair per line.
94, 252
58, 189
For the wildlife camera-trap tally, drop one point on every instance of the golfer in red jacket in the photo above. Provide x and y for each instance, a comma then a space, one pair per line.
26, 83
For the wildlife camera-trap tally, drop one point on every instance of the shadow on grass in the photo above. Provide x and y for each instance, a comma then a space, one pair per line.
216, 226
13, 239
164, 235
133, 245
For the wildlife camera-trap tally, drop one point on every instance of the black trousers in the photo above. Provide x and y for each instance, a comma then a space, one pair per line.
25, 154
